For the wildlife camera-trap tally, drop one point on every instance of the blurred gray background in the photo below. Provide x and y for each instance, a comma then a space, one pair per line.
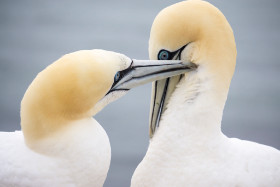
35, 33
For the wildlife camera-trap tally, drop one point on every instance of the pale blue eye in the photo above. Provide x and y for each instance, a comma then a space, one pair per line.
117, 76
163, 55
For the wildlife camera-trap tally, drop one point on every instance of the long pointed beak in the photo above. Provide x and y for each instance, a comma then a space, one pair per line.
161, 93
144, 71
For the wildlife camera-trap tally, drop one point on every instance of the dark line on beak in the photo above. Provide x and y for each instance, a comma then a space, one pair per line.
153, 107
178, 57
113, 90
155, 73
162, 71
162, 102
155, 65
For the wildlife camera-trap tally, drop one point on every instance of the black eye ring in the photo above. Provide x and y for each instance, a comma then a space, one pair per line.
167, 55
117, 76
164, 55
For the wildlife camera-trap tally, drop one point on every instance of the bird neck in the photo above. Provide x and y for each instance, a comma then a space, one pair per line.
68, 138
194, 111
82, 148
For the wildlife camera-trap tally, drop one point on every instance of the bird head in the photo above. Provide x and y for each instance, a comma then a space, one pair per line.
80, 84
192, 31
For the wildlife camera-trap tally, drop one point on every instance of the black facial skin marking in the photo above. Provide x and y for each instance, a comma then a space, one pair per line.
172, 54
170, 57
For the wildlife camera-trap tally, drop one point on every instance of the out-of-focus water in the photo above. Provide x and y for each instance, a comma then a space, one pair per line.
35, 33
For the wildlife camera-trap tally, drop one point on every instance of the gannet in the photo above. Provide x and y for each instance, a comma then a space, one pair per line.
60, 143
187, 147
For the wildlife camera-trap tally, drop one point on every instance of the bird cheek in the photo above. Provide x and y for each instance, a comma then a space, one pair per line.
190, 53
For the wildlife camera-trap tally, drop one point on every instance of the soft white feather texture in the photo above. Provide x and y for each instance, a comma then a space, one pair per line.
78, 156
188, 148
